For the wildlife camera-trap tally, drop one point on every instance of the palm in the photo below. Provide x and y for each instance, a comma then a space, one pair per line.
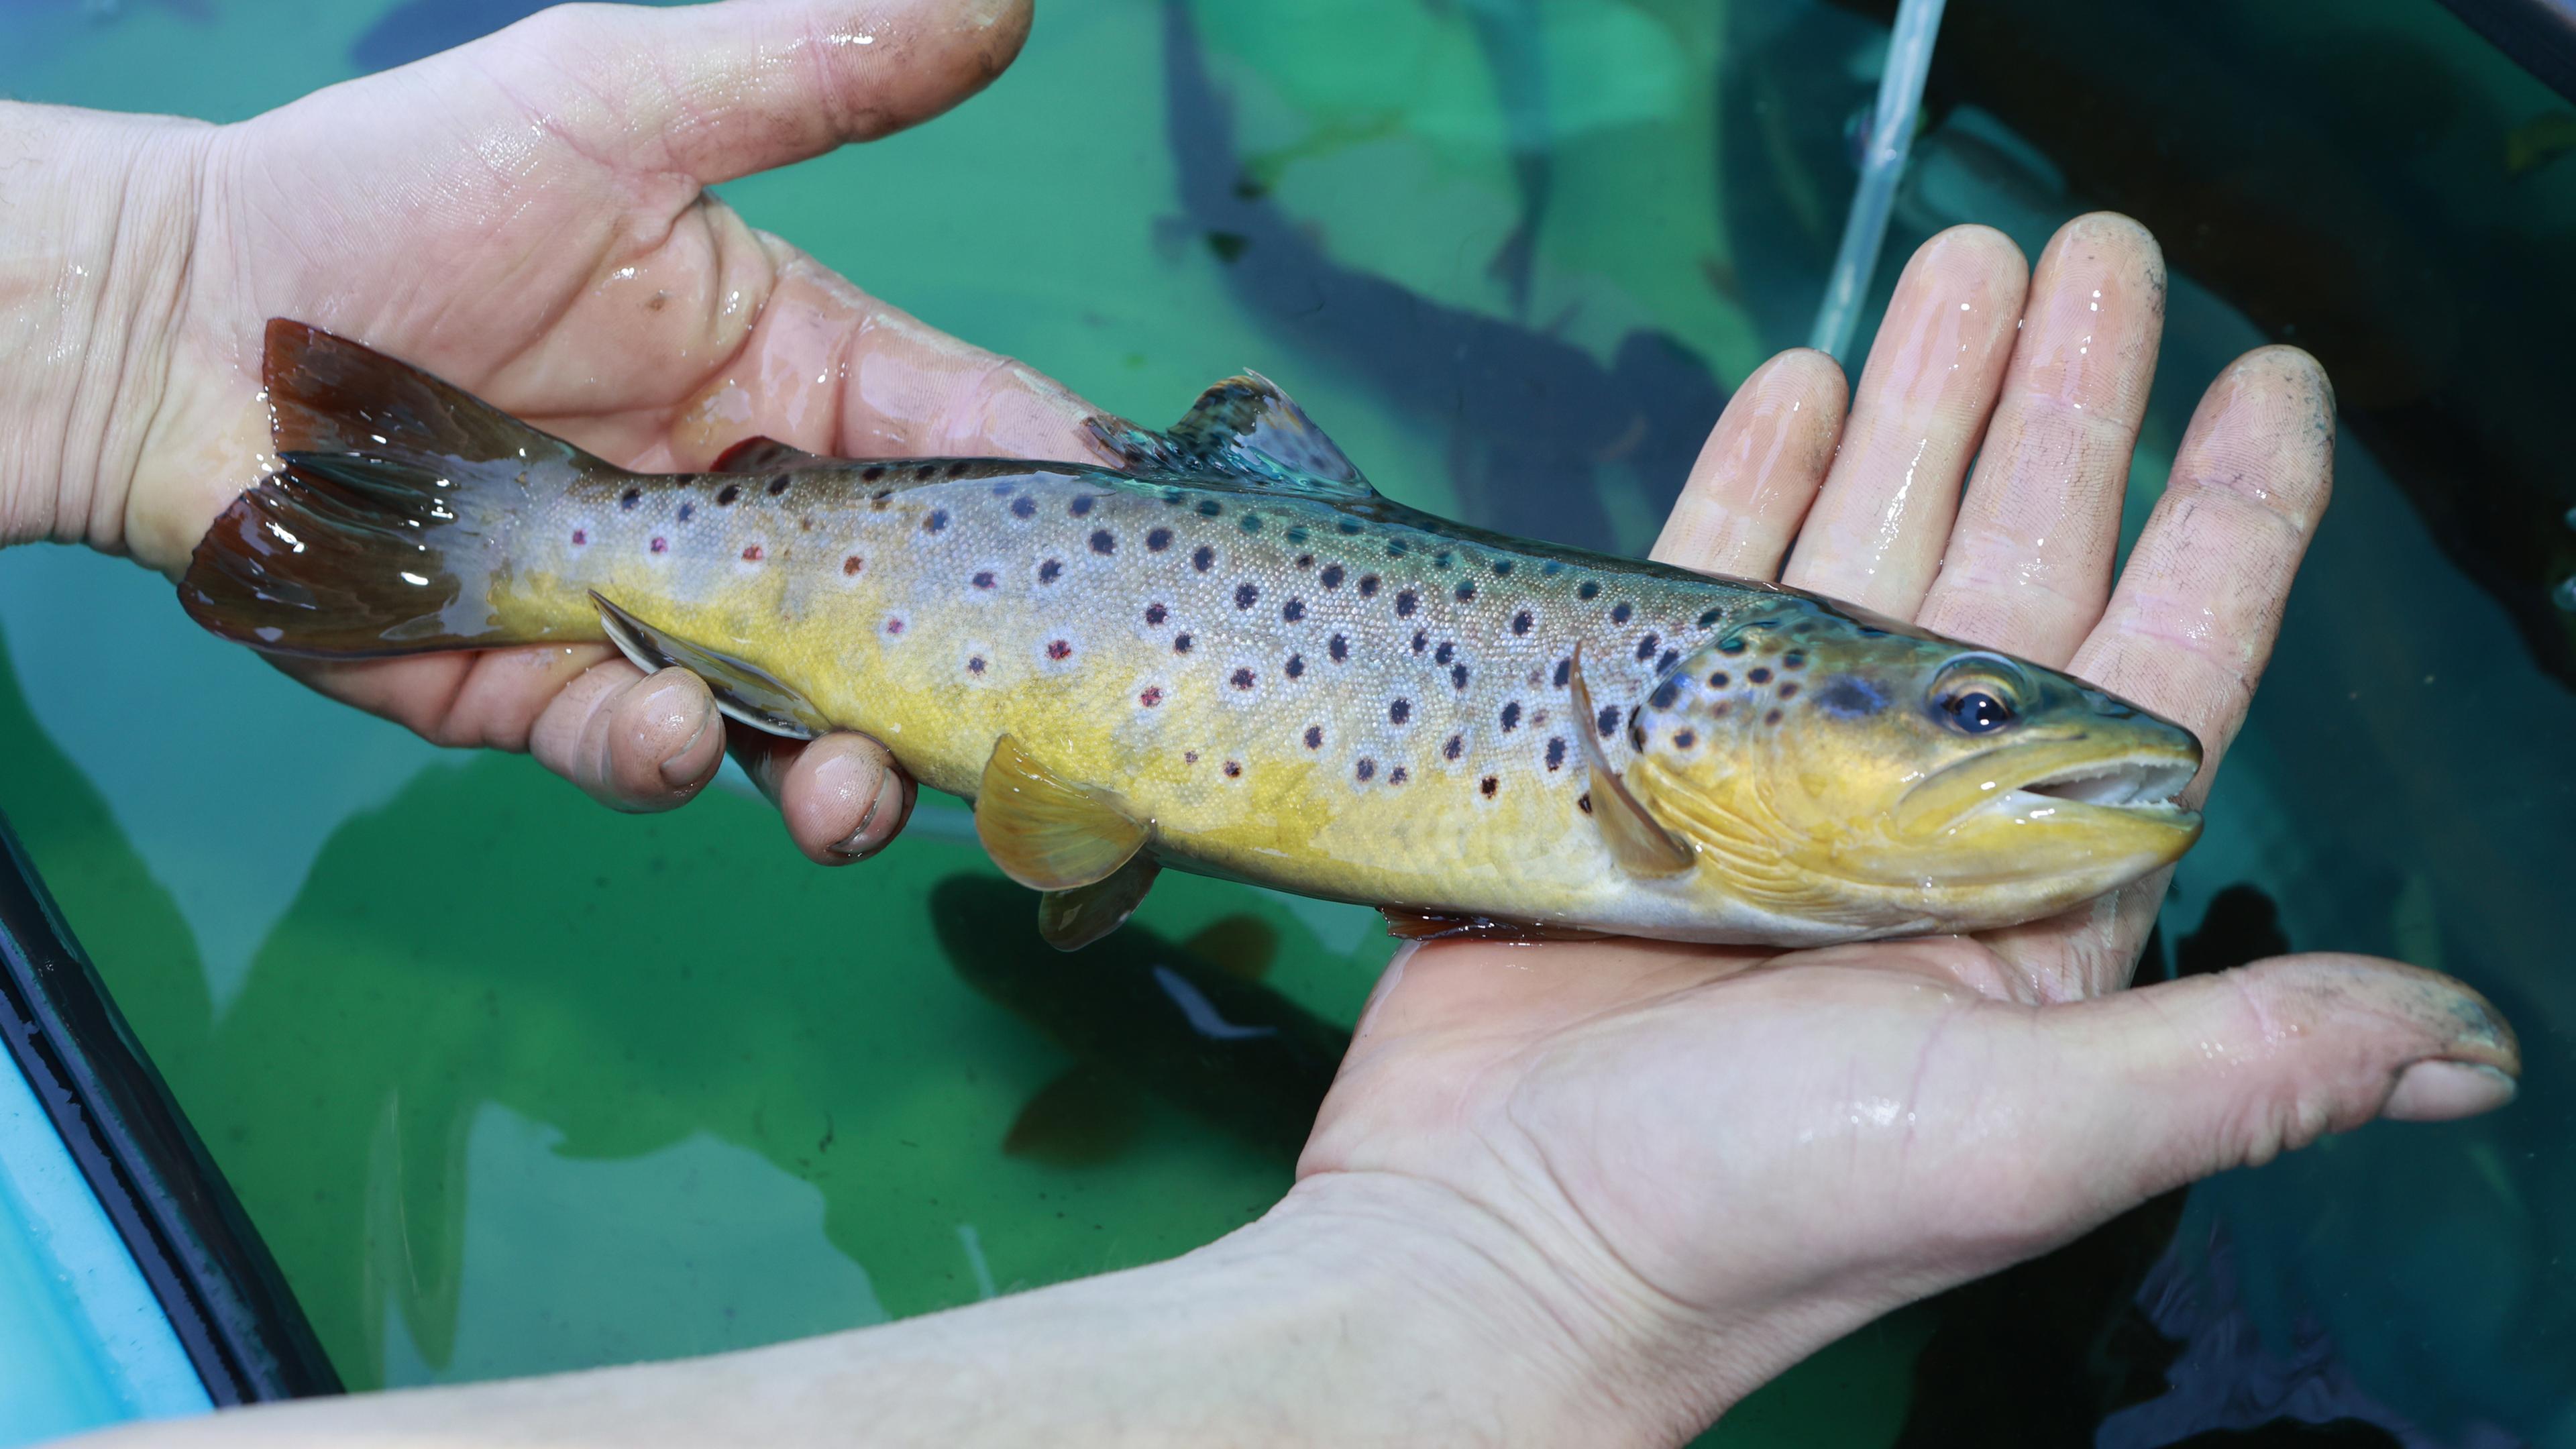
1864, 1124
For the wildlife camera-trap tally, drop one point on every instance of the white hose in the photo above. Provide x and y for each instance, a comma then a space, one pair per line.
1891, 135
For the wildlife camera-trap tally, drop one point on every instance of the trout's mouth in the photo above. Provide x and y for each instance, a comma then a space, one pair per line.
2060, 782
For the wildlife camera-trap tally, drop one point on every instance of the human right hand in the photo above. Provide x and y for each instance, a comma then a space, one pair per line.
527, 217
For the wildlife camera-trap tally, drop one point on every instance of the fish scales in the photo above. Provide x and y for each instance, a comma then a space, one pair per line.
1228, 653
1279, 682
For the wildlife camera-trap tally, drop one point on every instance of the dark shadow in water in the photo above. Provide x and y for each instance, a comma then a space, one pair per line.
2312, 179
1528, 419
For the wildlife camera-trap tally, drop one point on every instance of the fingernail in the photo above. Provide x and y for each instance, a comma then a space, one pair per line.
2445, 1091
677, 703
856, 844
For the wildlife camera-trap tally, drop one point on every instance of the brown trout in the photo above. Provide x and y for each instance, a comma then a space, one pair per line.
1228, 654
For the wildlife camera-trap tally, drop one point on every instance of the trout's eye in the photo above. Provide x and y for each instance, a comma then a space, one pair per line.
1975, 712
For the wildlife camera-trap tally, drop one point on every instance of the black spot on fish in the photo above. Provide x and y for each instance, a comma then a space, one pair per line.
1620, 612
1710, 617
1458, 676
1556, 753
1246, 595
1233, 769
1665, 693
1420, 640
1180, 643
1102, 542
1794, 659
1404, 603
1666, 662
957, 469
1397, 776
872, 472
1204, 559
1609, 720
1292, 611
1502, 568
1718, 680
1446, 652
1024, 507
1368, 586
1050, 571
727, 494
1442, 559
937, 520
1365, 769
1521, 622
1157, 539
1564, 671
1847, 696
983, 579
1210, 508
1251, 523
1583, 802
1347, 527
688, 511
1339, 648
1684, 739
778, 485
1772, 718
630, 497
1296, 666
1399, 711
1466, 590
1314, 737
1511, 716
1156, 613
1331, 577
1488, 785
1646, 647
1789, 689
1758, 675
1456, 746
1241, 679
1587, 591
1080, 506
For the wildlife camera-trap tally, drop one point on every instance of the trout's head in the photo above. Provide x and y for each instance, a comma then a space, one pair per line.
1860, 775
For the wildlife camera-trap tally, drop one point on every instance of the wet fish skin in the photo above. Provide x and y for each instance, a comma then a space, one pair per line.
1237, 645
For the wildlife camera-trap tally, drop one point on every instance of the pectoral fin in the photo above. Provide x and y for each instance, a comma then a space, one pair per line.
1071, 920
743, 691
1045, 832
1638, 841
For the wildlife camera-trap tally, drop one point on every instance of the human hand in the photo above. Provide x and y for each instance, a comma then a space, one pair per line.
1713, 1161
526, 216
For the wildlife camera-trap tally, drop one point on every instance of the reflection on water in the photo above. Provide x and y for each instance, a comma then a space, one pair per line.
511, 1082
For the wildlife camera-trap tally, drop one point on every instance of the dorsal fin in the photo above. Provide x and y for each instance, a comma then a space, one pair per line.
762, 455
1244, 428
1637, 840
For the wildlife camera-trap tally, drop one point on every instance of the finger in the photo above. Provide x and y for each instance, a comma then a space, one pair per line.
2169, 1084
843, 796
1875, 535
1759, 470
2192, 622
631, 740
2029, 561
714, 92
482, 699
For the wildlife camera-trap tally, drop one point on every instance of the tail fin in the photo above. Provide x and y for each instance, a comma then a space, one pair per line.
385, 528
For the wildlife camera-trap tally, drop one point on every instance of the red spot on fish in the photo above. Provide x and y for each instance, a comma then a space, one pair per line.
660, 545
894, 626
753, 553
1058, 649
1232, 769
851, 565
580, 537
1150, 698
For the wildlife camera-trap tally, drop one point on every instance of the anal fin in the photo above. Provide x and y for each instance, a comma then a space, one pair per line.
1071, 920
1046, 832
743, 691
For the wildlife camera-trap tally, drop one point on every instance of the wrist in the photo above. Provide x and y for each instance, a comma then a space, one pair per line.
102, 213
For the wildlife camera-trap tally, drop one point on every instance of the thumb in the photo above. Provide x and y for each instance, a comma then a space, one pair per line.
723, 90
2180, 1080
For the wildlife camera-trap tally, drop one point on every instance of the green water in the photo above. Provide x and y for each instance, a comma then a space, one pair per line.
511, 1083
